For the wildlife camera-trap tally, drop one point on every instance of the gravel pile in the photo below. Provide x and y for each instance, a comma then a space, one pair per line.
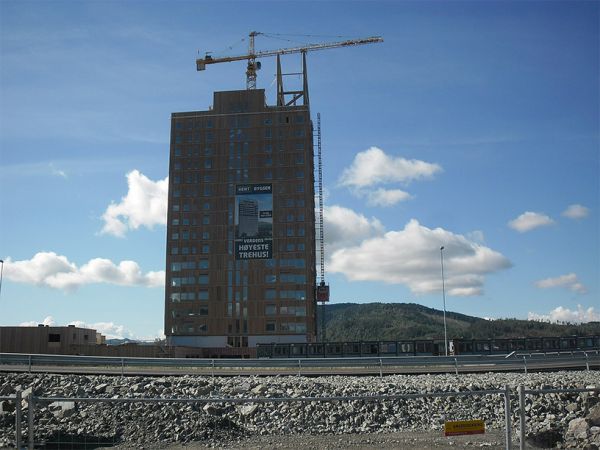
553, 419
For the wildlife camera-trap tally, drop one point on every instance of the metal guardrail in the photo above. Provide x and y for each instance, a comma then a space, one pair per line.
464, 363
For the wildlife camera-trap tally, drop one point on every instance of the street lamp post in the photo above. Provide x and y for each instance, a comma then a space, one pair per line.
1, 271
444, 298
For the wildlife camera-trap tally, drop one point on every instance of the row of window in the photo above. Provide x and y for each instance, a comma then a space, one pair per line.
193, 250
177, 297
242, 121
298, 311
189, 265
189, 281
202, 295
270, 327
237, 134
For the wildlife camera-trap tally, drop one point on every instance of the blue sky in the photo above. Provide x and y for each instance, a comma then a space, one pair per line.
473, 126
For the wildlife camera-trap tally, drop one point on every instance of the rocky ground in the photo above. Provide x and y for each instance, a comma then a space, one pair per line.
565, 420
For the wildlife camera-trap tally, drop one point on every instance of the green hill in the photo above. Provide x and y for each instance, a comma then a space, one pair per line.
396, 321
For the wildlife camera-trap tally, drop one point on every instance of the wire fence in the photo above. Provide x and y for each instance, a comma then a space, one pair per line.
207, 413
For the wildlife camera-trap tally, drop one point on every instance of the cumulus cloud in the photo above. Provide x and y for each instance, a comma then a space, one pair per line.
387, 197
344, 227
55, 271
108, 329
373, 166
562, 314
576, 212
144, 205
529, 221
569, 281
412, 257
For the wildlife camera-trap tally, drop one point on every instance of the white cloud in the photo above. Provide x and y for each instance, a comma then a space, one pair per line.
58, 172
576, 212
529, 221
144, 205
569, 281
49, 321
386, 197
55, 271
562, 314
108, 329
374, 166
345, 227
412, 257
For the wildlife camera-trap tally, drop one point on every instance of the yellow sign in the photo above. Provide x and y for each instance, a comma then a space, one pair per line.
461, 427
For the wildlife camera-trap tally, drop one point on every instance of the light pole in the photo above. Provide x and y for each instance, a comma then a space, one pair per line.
1, 271
444, 298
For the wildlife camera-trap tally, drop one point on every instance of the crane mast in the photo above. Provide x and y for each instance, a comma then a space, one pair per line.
253, 55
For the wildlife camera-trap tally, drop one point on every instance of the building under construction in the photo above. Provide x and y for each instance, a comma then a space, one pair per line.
241, 253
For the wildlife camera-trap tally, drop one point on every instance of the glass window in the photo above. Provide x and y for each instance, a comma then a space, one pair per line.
270, 279
203, 264
174, 236
203, 295
270, 294
270, 310
208, 164
206, 220
203, 279
206, 249
270, 326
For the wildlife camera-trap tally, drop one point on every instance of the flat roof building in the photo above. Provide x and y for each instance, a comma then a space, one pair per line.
241, 223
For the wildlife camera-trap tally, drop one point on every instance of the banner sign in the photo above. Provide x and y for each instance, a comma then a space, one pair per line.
464, 427
253, 221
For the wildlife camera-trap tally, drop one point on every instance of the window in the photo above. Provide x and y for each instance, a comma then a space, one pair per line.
203, 264
203, 279
204, 311
174, 236
270, 326
268, 134
270, 294
53, 337
208, 164
203, 295
205, 235
206, 249
270, 279
175, 222
205, 220
301, 247
290, 247
270, 310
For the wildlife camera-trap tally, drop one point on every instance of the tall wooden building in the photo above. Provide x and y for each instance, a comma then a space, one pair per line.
241, 223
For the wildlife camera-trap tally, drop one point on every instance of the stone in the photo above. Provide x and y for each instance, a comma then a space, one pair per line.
259, 389
579, 429
62, 409
593, 416
248, 410
7, 406
212, 410
101, 388
572, 407
544, 439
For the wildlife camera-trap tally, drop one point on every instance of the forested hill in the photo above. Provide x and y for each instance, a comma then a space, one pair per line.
395, 321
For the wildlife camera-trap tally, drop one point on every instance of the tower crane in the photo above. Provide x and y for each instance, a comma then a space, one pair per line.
253, 55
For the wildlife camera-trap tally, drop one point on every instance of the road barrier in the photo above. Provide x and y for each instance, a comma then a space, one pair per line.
300, 366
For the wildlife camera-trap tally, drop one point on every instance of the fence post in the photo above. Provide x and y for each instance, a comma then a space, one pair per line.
456, 365
299, 367
525, 364
122, 367
380, 368
507, 416
212, 370
29, 363
587, 362
18, 406
30, 416
522, 417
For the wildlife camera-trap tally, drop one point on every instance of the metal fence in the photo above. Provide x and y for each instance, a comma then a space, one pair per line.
35, 401
302, 366
522, 412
